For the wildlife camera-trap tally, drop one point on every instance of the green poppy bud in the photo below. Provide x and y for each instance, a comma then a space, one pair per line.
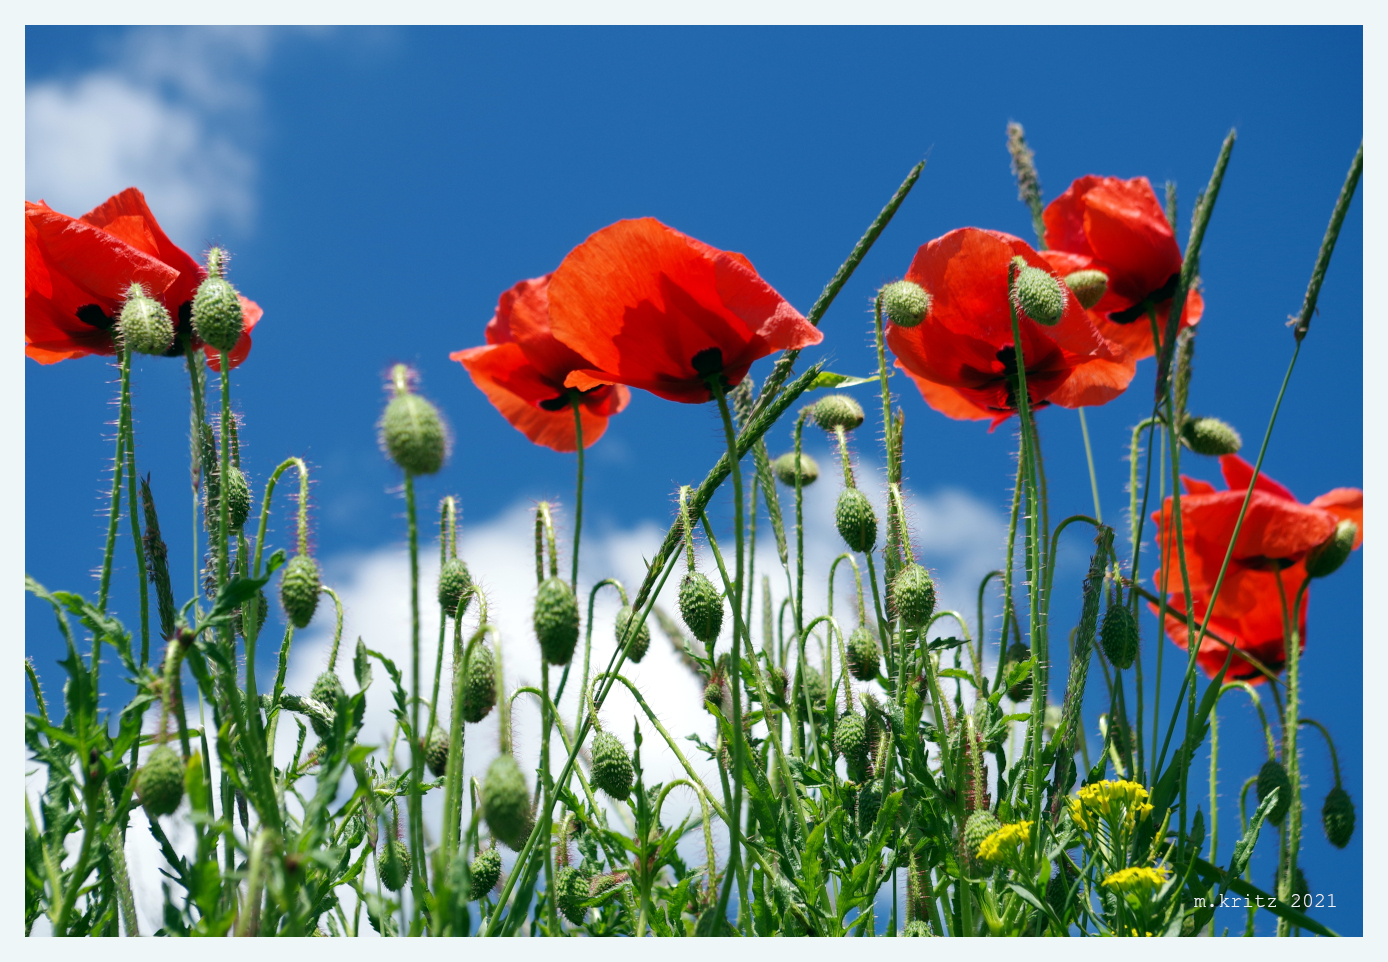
612, 771
556, 620
905, 303
914, 595
869, 804
701, 607
454, 582
299, 589
980, 825
217, 318
436, 752
1118, 636
479, 686
1040, 296
851, 741
238, 495
144, 325
1337, 817
393, 865
160, 781
1210, 436
838, 411
570, 892
856, 521
777, 681
864, 654
638, 638
1273, 776
506, 802
713, 694
262, 607
1088, 287
486, 872
413, 433
784, 469
356, 831
328, 690
810, 679
1326, 557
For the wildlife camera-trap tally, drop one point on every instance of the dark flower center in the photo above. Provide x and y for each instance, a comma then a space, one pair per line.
708, 362
561, 402
1163, 293
93, 315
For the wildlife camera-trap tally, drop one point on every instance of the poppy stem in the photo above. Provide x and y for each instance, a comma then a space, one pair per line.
735, 682
113, 522
578, 500
415, 806
1291, 760
1089, 459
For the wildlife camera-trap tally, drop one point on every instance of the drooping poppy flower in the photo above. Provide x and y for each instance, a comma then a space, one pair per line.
1277, 533
522, 370
655, 309
962, 356
77, 270
1118, 227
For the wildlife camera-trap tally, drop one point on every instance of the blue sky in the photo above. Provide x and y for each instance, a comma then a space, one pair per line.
380, 188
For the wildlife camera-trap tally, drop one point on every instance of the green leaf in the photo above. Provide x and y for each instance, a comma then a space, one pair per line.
959, 673
830, 379
361, 666
1243, 848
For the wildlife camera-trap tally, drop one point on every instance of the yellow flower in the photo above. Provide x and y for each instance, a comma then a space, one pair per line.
1118, 803
1004, 842
1139, 881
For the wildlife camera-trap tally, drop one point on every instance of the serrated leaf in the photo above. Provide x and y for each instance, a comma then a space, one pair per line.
361, 665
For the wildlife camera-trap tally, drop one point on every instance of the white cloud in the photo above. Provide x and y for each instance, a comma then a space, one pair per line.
172, 112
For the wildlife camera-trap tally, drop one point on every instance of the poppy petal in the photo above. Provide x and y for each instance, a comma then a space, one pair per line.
251, 313
640, 300
1238, 472
515, 388
127, 216
1347, 504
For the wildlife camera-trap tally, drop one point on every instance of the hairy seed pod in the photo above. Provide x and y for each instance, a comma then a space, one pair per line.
1273, 776
856, 520
238, 496
144, 325
1326, 557
479, 686
1040, 296
864, 654
217, 317
506, 802
486, 872
1210, 436
850, 741
639, 641
454, 582
869, 804
571, 891
327, 688
914, 594
777, 681
436, 752
556, 620
812, 681
906, 303
393, 865
612, 771
299, 587
413, 434
701, 607
784, 469
980, 825
838, 411
1088, 286
1337, 817
1118, 636
160, 782
262, 607
713, 693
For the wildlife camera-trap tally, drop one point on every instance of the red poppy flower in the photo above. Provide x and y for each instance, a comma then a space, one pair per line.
655, 309
77, 270
1277, 533
962, 356
522, 371
1119, 227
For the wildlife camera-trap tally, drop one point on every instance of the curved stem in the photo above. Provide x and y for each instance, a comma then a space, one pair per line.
578, 506
1089, 459
113, 522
